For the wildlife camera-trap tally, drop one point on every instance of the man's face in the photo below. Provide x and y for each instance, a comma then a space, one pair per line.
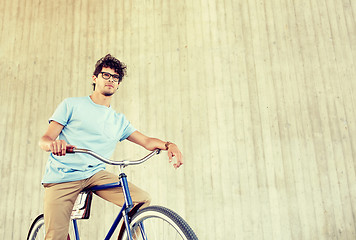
106, 87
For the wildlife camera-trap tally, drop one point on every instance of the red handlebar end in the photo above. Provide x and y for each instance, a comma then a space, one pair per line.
70, 149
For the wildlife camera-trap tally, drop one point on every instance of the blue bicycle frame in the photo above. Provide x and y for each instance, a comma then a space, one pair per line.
125, 189
123, 212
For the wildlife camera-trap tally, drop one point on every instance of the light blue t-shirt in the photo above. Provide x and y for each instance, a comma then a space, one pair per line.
86, 125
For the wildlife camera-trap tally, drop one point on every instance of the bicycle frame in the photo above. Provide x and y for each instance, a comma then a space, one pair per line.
123, 212
127, 206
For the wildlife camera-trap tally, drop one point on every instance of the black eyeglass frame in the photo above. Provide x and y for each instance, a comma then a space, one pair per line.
115, 77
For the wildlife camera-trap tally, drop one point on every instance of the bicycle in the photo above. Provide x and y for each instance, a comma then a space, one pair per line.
153, 222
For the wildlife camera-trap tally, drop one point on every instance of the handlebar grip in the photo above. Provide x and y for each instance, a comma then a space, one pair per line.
70, 149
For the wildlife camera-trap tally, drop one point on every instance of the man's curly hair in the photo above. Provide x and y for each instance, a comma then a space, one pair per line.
110, 62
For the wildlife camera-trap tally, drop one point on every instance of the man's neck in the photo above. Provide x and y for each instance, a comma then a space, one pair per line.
101, 99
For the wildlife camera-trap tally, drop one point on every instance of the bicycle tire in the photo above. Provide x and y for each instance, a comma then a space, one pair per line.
159, 223
37, 229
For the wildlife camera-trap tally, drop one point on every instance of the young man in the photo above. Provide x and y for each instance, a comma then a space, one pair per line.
89, 122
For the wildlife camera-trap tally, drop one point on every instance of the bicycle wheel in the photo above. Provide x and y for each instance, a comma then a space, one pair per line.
37, 230
159, 223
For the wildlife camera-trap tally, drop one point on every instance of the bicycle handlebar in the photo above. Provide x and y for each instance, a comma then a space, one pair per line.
111, 162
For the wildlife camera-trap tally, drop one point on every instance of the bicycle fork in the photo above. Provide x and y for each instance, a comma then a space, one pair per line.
142, 230
128, 202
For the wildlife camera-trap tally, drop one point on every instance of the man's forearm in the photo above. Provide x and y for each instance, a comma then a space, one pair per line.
45, 143
47, 140
154, 143
147, 142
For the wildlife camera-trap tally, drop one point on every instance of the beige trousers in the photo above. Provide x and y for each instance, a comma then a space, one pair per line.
59, 199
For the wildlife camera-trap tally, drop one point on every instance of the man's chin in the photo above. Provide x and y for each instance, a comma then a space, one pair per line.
108, 94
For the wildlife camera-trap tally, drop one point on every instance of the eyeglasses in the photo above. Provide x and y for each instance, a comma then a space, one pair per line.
106, 76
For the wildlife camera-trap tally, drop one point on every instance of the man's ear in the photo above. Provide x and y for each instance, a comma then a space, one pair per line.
94, 78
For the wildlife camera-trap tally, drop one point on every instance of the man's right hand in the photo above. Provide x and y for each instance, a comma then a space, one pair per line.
59, 147
50, 143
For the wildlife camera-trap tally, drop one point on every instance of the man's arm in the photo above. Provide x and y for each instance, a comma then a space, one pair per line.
49, 143
154, 143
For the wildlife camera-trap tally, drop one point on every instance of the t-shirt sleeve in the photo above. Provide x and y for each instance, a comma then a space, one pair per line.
128, 129
62, 114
